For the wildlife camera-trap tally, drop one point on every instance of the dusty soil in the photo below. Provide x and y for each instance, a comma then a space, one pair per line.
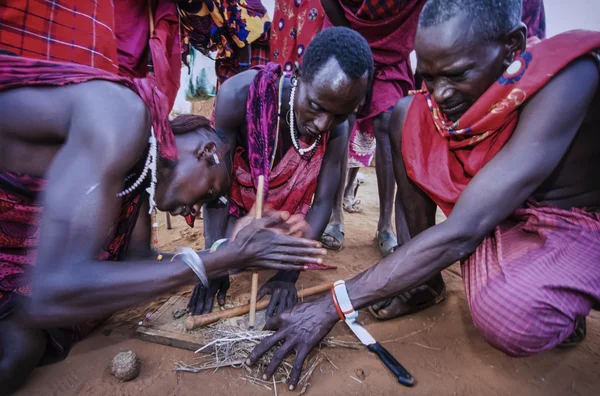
440, 346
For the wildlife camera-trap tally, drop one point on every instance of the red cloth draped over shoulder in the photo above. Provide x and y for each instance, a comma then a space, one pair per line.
289, 185
442, 157
389, 27
76, 41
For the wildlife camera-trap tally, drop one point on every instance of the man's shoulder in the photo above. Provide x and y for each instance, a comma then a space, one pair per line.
401, 110
233, 95
111, 120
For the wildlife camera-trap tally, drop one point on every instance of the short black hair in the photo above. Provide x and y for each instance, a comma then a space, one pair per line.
186, 123
348, 47
491, 19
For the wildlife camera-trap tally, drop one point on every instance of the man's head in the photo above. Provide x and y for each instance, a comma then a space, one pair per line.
463, 46
336, 74
201, 174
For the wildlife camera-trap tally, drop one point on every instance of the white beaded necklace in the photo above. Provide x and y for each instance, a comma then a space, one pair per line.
149, 166
295, 142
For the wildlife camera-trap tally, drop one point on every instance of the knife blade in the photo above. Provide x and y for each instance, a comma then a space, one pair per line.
403, 376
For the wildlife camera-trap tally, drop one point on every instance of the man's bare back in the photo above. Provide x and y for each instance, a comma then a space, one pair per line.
36, 122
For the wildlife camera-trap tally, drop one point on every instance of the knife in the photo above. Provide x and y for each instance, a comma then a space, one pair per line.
404, 377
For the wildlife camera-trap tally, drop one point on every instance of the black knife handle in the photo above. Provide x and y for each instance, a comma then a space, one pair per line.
404, 377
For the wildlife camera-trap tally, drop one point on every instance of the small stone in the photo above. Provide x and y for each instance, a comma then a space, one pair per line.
125, 366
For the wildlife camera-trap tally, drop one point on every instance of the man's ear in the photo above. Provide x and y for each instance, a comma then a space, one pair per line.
297, 70
515, 41
207, 150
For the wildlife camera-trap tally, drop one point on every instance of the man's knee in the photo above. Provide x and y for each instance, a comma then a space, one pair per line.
519, 328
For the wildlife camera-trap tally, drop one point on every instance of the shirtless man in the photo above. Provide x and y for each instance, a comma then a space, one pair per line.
513, 164
67, 149
310, 137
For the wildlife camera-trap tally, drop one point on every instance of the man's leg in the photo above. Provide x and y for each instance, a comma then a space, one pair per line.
386, 184
21, 349
415, 212
531, 283
333, 236
350, 204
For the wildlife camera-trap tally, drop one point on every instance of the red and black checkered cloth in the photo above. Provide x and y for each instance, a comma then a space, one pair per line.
78, 31
375, 10
72, 41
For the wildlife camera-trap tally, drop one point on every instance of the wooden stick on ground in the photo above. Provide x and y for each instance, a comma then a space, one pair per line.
193, 322
254, 289
168, 221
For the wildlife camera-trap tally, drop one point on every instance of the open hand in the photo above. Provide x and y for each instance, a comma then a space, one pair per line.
260, 243
282, 288
299, 330
293, 225
202, 299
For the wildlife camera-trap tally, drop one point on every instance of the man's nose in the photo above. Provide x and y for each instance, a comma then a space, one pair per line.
323, 122
442, 91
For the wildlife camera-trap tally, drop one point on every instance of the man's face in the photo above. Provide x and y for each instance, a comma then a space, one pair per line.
456, 66
195, 180
328, 100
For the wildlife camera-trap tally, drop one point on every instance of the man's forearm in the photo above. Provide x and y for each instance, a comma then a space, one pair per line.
410, 265
71, 295
317, 218
216, 219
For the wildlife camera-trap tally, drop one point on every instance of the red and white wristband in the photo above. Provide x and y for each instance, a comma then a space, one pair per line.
341, 301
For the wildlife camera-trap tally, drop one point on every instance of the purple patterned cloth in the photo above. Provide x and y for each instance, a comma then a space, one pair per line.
535, 18
527, 283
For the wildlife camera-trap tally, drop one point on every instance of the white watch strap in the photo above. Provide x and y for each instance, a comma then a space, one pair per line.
343, 299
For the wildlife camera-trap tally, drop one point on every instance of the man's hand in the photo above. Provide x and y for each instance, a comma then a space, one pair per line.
202, 299
299, 330
282, 288
293, 225
262, 244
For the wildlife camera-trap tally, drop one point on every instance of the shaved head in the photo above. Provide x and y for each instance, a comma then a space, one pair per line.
490, 19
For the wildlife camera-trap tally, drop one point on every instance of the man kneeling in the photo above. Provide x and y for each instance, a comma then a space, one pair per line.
504, 139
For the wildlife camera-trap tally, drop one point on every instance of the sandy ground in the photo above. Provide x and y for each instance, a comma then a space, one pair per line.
439, 346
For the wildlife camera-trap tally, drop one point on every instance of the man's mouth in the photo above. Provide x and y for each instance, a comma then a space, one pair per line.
454, 110
177, 211
311, 133
181, 211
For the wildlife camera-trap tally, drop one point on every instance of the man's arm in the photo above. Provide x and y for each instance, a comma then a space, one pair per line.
335, 12
230, 116
542, 137
282, 285
328, 181
105, 139
539, 142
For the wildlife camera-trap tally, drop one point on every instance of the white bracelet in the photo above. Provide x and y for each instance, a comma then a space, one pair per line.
191, 258
343, 299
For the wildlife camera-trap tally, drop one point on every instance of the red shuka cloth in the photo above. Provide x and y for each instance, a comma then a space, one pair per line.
389, 27
441, 157
75, 41
291, 184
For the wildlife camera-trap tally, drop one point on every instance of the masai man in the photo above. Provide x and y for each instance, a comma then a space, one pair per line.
504, 139
293, 129
81, 165
389, 27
